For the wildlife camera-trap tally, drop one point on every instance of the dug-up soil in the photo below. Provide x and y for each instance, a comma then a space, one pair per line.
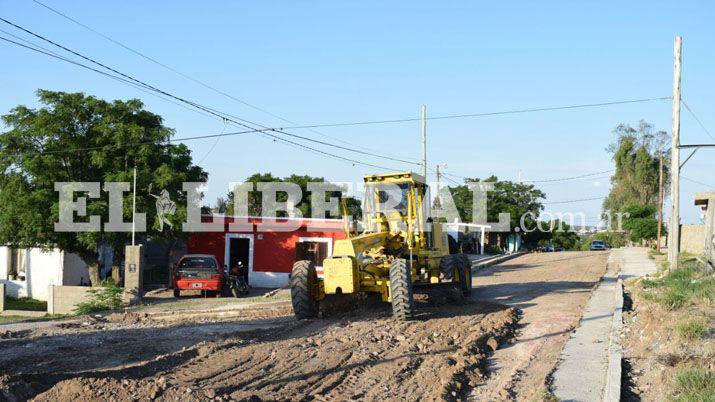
359, 353
654, 352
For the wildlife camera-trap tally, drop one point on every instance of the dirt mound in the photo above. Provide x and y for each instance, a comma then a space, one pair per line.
363, 354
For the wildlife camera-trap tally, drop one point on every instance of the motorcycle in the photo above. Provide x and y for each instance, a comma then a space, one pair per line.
236, 281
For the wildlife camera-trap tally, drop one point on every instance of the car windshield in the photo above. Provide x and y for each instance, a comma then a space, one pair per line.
197, 263
597, 243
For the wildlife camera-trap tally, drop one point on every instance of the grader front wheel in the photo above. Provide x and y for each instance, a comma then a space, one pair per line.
303, 280
465, 276
457, 269
401, 289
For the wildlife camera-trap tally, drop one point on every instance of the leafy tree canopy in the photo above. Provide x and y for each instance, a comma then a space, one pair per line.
254, 197
517, 199
636, 154
79, 138
641, 222
559, 234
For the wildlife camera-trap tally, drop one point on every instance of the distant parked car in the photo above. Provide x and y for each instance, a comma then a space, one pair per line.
547, 248
558, 249
598, 245
198, 272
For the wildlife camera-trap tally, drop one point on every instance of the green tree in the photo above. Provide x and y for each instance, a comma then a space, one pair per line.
304, 206
636, 154
560, 234
79, 138
641, 222
517, 199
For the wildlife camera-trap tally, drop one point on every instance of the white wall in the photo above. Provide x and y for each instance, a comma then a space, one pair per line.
43, 268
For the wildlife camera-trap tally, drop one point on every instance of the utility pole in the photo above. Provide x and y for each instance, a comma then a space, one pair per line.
424, 142
660, 199
437, 199
134, 203
674, 234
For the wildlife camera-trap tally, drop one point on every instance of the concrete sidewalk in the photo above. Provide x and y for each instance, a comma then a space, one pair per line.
590, 360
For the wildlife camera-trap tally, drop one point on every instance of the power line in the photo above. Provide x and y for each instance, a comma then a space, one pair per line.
547, 180
241, 122
569, 178
460, 116
572, 201
696, 119
697, 182
42, 50
186, 76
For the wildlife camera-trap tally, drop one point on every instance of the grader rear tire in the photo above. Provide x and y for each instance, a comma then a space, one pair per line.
401, 290
302, 280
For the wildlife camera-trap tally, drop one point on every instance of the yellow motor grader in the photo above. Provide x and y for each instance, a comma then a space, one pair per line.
398, 251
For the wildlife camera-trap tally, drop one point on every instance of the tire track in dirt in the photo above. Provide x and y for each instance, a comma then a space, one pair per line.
550, 290
362, 353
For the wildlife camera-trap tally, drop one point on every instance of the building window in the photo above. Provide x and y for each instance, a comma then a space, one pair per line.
315, 251
17, 268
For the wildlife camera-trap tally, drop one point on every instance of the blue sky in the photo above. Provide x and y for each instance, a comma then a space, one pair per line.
323, 62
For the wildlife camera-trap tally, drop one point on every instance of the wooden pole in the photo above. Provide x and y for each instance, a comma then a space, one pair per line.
134, 203
660, 200
424, 141
674, 233
438, 200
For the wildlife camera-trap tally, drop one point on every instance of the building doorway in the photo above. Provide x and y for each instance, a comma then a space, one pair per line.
314, 249
239, 248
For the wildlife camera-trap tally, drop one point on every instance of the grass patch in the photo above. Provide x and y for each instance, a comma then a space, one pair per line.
681, 287
9, 319
25, 303
695, 385
101, 298
691, 330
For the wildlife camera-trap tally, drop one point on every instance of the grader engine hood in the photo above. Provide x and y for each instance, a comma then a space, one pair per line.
357, 245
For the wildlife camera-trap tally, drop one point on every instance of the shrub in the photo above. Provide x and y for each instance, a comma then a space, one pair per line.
492, 249
696, 385
691, 330
105, 297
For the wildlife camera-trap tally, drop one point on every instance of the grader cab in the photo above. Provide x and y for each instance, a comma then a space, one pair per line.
400, 249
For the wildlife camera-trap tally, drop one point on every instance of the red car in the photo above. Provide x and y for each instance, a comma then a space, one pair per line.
198, 272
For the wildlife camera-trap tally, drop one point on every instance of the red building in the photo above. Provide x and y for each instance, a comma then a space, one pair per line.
269, 254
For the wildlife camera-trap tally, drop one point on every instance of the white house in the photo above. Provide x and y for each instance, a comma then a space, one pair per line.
29, 272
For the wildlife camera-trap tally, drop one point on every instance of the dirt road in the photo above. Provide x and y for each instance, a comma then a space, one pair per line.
550, 290
348, 354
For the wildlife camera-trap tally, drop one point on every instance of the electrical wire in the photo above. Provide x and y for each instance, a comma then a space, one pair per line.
569, 178
572, 201
696, 119
192, 79
239, 121
483, 114
697, 182
547, 180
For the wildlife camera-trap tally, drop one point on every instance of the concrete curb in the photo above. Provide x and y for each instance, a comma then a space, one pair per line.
495, 261
612, 388
612, 391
